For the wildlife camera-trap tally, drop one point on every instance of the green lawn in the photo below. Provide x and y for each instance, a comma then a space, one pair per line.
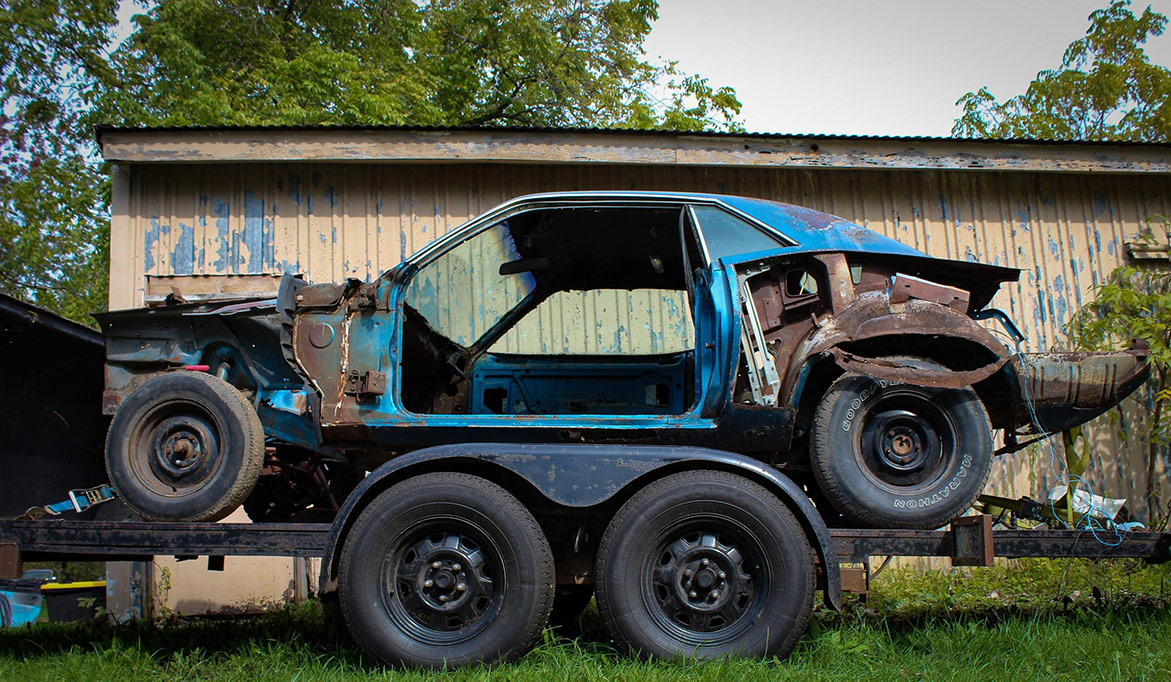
1034, 620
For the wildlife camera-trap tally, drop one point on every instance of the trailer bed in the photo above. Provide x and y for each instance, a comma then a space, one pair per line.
966, 543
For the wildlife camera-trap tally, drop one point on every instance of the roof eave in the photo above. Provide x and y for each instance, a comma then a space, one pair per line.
627, 147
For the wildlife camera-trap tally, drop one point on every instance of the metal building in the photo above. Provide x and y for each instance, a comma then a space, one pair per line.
220, 211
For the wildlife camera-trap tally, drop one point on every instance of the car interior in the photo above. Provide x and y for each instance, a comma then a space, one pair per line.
560, 310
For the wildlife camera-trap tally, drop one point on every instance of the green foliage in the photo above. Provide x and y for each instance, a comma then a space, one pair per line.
294, 62
441, 62
1105, 89
1135, 303
53, 241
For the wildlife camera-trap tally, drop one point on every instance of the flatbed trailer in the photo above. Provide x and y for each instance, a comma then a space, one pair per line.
463, 552
970, 541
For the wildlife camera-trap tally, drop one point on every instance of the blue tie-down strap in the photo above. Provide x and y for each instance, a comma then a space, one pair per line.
82, 499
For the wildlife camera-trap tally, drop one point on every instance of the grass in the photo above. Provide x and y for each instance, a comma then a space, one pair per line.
1031, 620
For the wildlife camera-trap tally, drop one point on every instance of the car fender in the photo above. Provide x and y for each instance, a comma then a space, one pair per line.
583, 476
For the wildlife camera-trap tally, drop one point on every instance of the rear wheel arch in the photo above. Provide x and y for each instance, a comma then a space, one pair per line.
953, 352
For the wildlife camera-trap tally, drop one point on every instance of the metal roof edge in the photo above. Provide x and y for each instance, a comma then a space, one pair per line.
102, 129
626, 146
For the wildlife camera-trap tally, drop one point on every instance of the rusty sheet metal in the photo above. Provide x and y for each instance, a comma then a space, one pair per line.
893, 370
1063, 390
906, 287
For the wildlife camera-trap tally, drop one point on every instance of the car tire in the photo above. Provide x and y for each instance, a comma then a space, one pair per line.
445, 569
894, 455
184, 446
705, 564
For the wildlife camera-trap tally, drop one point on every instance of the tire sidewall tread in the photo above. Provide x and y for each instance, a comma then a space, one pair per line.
779, 531
377, 526
243, 459
851, 491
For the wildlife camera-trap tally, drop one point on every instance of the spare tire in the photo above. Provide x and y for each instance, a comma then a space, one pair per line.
895, 455
184, 446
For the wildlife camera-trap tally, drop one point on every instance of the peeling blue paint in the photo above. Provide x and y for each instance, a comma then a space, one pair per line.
1077, 266
1099, 203
150, 239
1054, 249
183, 257
295, 188
1057, 301
224, 253
1110, 247
254, 237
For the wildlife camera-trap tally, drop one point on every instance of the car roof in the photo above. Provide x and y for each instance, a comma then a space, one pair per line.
809, 229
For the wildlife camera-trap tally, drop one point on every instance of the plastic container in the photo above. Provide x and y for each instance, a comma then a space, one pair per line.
74, 601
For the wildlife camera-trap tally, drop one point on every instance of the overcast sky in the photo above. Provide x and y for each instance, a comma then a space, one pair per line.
871, 67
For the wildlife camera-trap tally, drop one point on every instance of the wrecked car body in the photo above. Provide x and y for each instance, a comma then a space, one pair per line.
843, 357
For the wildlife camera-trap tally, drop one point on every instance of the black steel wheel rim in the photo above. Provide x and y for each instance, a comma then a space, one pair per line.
176, 447
907, 442
442, 581
706, 581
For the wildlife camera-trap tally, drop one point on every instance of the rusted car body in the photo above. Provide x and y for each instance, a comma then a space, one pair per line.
776, 305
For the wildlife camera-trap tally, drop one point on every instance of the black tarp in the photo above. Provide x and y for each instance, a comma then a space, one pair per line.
52, 431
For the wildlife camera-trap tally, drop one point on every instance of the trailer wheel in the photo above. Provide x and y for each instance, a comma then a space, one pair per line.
184, 446
705, 564
892, 455
445, 569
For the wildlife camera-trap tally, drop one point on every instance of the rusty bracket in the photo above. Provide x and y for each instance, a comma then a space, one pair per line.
366, 383
906, 287
11, 567
973, 541
893, 370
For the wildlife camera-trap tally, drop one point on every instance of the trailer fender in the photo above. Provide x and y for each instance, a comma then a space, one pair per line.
584, 476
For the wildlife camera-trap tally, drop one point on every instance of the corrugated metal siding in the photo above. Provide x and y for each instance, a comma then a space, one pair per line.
1065, 231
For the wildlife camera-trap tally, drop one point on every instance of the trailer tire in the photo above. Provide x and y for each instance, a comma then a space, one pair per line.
895, 455
445, 569
705, 564
184, 446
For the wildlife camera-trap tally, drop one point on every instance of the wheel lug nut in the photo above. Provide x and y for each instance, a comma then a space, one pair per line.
723, 575
461, 587
715, 594
443, 597
437, 565
687, 573
428, 583
455, 567
705, 562
693, 594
